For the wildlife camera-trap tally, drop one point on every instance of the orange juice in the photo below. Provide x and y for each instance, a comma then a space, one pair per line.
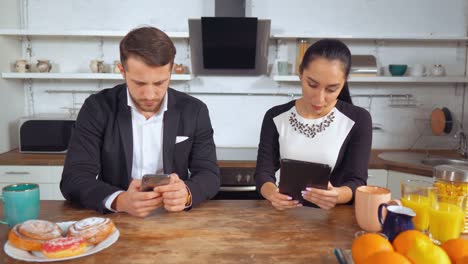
446, 222
420, 205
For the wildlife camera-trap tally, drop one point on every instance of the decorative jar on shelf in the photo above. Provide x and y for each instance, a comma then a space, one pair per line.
97, 66
116, 68
302, 46
21, 65
179, 68
437, 70
43, 65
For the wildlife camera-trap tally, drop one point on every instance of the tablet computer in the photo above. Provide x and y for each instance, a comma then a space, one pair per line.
296, 175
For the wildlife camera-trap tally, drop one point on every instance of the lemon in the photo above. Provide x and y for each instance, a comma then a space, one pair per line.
425, 252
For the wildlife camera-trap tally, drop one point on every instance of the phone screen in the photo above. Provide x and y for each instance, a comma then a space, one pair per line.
149, 181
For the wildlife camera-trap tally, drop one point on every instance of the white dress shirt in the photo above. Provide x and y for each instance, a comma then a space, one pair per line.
147, 144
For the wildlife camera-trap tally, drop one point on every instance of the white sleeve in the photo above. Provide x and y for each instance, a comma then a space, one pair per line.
110, 199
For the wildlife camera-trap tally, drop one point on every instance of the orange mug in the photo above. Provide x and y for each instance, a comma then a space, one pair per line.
366, 204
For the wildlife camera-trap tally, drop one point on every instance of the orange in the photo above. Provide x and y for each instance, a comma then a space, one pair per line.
405, 240
462, 260
456, 248
368, 244
387, 257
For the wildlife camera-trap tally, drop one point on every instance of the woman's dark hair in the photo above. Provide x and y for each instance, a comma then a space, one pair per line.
148, 44
330, 49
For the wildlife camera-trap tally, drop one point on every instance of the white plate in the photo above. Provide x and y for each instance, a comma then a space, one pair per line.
37, 256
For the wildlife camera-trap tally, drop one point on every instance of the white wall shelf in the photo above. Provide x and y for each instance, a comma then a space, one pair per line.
174, 34
77, 33
389, 38
80, 76
386, 79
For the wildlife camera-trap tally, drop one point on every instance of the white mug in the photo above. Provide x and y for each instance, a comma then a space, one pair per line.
418, 70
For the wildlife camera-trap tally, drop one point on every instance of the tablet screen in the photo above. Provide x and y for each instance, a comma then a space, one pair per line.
296, 175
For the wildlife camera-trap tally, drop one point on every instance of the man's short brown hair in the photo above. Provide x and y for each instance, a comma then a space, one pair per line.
148, 44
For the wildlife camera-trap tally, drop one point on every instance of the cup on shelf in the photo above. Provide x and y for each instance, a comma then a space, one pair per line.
283, 68
418, 70
97, 66
22, 65
43, 65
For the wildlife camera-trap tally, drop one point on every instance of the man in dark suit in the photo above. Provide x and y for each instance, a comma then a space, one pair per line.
141, 127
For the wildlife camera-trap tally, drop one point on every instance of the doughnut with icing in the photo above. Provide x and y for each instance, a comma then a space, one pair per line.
31, 234
64, 247
92, 229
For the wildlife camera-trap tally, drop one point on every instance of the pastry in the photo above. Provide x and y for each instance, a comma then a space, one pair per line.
64, 247
31, 234
92, 229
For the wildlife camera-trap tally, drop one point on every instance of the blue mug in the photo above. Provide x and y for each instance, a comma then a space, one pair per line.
20, 203
397, 220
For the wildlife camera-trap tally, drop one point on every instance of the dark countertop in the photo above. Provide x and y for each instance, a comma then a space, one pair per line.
13, 157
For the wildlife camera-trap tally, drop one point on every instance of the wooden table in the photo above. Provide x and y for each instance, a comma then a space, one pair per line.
221, 231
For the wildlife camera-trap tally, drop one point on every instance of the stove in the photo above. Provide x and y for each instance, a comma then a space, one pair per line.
237, 183
237, 180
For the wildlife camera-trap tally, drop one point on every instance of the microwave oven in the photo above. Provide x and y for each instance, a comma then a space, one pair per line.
45, 134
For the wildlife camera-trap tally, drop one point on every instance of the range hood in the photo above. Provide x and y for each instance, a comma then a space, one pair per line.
229, 43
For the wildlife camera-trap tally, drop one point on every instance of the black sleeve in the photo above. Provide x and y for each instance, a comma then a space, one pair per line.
82, 164
268, 152
356, 156
204, 181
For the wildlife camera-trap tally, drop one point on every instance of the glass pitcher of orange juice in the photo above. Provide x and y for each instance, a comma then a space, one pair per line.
415, 195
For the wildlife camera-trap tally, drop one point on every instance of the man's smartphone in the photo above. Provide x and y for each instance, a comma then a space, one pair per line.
149, 181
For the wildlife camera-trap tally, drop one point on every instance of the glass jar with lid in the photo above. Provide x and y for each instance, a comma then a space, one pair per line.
452, 181
302, 46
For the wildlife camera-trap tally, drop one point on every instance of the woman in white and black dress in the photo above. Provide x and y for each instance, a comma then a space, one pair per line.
323, 126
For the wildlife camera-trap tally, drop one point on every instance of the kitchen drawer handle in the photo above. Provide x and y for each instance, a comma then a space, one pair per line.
16, 172
237, 188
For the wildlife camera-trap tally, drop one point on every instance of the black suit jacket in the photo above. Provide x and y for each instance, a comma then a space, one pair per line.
99, 158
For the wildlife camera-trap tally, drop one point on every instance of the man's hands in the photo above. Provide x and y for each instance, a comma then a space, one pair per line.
173, 196
137, 203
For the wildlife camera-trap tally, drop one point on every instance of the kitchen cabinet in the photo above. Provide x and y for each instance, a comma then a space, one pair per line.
395, 178
377, 177
48, 178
